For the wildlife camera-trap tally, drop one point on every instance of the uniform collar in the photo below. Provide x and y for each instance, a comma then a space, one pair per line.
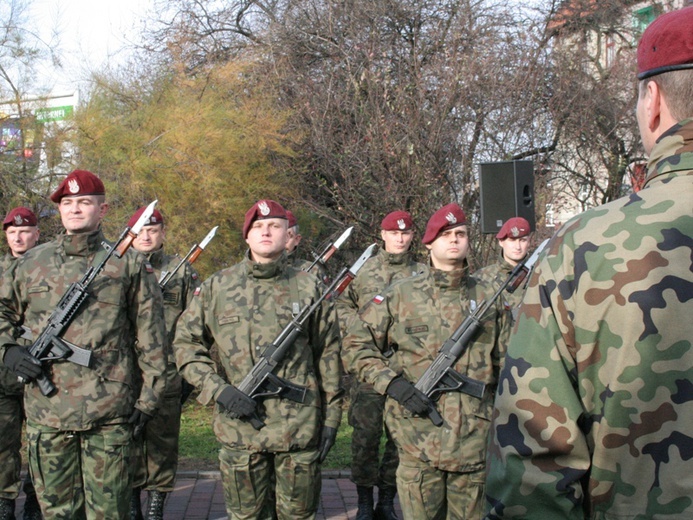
81, 244
449, 279
264, 271
672, 153
393, 258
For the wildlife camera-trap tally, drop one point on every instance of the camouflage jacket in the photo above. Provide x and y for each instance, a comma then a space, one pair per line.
177, 294
123, 309
240, 311
378, 273
595, 419
414, 317
9, 385
495, 275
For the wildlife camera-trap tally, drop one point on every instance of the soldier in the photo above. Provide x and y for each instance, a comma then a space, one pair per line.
292, 242
595, 419
513, 239
391, 263
79, 437
441, 469
156, 458
241, 310
22, 233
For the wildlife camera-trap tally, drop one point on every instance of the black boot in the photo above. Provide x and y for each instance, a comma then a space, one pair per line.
155, 510
385, 510
365, 511
6, 509
136, 505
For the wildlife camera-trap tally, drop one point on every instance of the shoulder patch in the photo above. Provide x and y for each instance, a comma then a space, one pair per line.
148, 267
194, 276
197, 291
378, 299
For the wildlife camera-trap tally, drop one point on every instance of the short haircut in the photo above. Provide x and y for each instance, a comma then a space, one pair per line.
676, 87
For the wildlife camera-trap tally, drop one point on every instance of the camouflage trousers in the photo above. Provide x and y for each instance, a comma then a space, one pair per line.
428, 493
366, 417
11, 413
81, 475
155, 454
247, 480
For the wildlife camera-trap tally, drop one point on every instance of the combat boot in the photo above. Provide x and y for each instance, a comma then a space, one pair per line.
155, 510
365, 511
136, 505
385, 510
6, 509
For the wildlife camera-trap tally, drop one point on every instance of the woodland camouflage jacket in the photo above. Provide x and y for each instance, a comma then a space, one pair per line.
414, 317
240, 311
594, 414
123, 309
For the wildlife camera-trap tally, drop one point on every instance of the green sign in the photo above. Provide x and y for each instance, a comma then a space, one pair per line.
54, 113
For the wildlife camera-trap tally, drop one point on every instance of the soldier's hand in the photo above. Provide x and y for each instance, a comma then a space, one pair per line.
139, 420
236, 403
26, 366
329, 435
408, 396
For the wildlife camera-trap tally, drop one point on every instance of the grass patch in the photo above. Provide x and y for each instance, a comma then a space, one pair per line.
198, 446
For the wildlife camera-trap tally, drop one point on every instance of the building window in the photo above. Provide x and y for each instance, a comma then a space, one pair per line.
642, 18
550, 216
610, 50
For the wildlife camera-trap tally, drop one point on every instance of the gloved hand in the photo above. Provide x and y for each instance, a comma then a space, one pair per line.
139, 420
26, 366
236, 403
408, 396
329, 435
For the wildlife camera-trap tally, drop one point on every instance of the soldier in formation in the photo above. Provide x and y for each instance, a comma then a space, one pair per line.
156, 457
594, 415
241, 310
392, 262
22, 234
513, 239
79, 436
441, 469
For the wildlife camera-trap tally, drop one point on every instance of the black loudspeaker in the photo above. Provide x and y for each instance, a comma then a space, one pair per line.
507, 190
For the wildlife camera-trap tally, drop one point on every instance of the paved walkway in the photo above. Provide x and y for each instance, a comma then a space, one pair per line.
199, 496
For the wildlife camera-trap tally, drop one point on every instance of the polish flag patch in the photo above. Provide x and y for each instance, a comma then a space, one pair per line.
378, 298
197, 291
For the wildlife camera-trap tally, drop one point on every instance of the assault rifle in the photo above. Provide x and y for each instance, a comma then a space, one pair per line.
261, 381
440, 377
330, 249
49, 346
192, 255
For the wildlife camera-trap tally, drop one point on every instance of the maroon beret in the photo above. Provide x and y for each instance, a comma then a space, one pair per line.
291, 218
79, 182
18, 217
515, 227
154, 219
445, 218
262, 209
397, 221
667, 44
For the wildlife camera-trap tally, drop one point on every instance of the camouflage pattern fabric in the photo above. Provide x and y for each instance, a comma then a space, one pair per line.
9, 385
123, 309
594, 414
248, 494
495, 275
366, 405
241, 310
79, 475
156, 452
414, 317
426, 492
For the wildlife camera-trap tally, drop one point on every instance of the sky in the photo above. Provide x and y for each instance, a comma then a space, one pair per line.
91, 34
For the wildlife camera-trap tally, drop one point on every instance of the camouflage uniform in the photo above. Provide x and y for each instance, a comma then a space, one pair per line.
594, 416
440, 469
241, 310
79, 438
495, 275
157, 454
11, 413
367, 405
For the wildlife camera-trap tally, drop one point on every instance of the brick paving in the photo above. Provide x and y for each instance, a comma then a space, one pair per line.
199, 496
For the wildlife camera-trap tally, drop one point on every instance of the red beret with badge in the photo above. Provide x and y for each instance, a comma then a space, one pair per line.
154, 219
397, 221
447, 217
515, 227
20, 217
78, 183
291, 218
262, 209
667, 44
